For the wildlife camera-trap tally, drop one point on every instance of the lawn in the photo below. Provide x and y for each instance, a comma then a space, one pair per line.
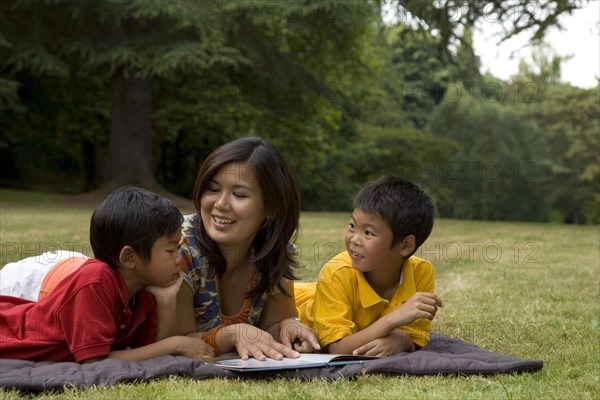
521, 289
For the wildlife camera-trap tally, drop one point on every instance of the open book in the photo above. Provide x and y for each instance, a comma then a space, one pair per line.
313, 360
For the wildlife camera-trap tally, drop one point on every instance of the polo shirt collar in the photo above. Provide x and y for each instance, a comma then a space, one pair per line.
369, 297
123, 293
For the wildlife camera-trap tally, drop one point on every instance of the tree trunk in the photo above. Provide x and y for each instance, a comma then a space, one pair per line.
129, 161
90, 162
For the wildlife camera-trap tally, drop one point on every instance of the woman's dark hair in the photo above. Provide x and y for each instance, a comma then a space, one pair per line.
274, 256
131, 217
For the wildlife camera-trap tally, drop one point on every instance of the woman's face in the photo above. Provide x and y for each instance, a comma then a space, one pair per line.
232, 207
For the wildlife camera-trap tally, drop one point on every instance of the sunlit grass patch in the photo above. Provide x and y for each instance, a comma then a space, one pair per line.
524, 290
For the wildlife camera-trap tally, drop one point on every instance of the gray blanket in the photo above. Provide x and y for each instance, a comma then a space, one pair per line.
443, 355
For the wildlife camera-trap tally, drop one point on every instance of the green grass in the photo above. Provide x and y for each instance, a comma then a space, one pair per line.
521, 289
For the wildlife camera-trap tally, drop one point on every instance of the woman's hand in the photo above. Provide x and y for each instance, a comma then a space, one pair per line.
297, 336
251, 341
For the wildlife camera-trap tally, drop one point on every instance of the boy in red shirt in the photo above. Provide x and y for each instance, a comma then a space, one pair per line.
120, 304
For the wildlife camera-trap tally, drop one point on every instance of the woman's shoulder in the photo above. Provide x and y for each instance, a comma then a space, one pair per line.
188, 233
189, 221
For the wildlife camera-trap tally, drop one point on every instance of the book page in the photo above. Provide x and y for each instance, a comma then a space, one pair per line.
304, 361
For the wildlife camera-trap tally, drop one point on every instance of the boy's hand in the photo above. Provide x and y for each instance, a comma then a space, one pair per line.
396, 342
166, 293
420, 305
297, 336
192, 347
174, 345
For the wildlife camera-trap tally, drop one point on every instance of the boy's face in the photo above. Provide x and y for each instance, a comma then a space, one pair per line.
368, 240
163, 268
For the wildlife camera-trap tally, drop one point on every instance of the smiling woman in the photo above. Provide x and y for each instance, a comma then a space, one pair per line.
232, 208
237, 257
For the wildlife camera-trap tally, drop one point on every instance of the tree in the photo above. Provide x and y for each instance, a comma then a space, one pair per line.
416, 67
313, 50
258, 44
422, 70
569, 120
448, 18
496, 171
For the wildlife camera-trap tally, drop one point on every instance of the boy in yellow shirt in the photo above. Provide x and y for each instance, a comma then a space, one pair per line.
376, 298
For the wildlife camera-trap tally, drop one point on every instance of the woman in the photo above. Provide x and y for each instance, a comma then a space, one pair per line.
237, 257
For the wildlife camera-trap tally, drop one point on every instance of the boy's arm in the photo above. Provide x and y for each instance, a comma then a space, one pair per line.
420, 305
423, 275
186, 319
396, 342
174, 345
166, 308
380, 328
334, 303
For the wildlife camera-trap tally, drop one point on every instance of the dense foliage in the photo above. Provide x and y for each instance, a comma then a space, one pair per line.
97, 94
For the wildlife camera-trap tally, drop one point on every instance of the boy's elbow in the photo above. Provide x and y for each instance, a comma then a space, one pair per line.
91, 360
333, 348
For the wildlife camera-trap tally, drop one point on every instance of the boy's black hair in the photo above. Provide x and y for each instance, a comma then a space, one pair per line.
131, 217
404, 206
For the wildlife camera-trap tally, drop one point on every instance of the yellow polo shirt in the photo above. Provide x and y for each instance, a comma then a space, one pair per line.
342, 302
